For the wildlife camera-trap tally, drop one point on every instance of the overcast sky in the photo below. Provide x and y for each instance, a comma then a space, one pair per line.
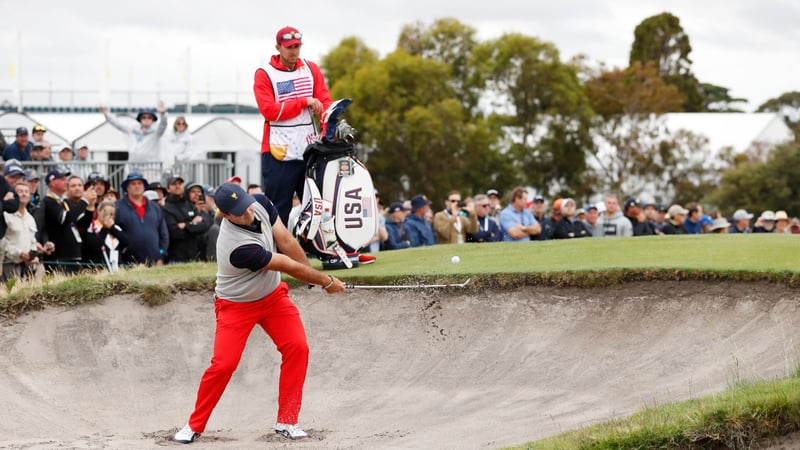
751, 47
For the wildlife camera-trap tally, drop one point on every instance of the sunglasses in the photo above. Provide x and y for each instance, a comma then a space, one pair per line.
291, 35
180, 123
485, 206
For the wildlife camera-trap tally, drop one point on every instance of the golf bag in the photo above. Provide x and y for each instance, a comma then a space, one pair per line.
338, 214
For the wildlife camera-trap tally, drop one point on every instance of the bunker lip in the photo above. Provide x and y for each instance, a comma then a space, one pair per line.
455, 368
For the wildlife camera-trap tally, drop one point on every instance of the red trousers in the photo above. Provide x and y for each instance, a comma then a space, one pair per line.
280, 319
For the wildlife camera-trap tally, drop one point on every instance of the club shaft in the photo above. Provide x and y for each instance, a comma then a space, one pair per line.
407, 286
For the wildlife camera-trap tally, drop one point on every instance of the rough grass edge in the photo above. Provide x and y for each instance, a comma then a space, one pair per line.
746, 416
81, 289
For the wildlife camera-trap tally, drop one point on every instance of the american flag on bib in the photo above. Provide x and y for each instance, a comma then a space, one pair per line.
297, 88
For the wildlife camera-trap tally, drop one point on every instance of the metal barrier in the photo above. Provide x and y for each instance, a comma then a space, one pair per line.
211, 172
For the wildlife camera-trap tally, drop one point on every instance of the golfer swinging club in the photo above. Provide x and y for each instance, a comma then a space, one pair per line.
249, 292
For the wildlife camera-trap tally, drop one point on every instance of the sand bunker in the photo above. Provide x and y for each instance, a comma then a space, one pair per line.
441, 369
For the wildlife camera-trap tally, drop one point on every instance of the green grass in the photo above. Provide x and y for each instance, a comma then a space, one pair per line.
738, 418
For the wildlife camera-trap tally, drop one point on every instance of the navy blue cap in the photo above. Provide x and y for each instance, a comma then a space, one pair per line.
232, 199
418, 201
397, 206
151, 112
631, 202
13, 169
55, 174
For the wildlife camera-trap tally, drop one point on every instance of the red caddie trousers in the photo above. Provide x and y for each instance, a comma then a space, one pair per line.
280, 319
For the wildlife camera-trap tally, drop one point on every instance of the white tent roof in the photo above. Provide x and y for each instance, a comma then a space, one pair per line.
738, 131
10, 121
209, 131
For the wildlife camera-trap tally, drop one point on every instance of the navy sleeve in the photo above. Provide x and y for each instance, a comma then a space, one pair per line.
250, 256
271, 209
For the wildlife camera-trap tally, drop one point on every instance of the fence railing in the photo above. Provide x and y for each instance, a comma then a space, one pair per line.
211, 172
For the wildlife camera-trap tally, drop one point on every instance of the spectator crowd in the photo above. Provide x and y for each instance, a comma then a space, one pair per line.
482, 218
82, 221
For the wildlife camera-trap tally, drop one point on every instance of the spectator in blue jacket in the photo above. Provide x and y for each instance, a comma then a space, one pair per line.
420, 231
143, 223
20, 149
397, 237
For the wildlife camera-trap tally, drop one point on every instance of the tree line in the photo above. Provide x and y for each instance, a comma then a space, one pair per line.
447, 111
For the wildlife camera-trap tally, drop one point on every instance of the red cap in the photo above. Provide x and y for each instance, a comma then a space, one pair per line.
280, 37
234, 179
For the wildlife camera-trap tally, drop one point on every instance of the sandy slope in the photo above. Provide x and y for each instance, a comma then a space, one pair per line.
459, 369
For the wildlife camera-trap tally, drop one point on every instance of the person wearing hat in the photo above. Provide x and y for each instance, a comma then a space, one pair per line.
63, 221
650, 211
568, 227
143, 139
765, 222
9, 203
13, 172
488, 228
184, 222
419, 230
612, 223
38, 151
98, 182
538, 207
741, 222
249, 292
590, 216
495, 206
289, 91
32, 178
143, 223
676, 217
64, 159
397, 237
37, 133
194, 218
782, 223
720, 226
516, 221
633, 211
451, 225
20, 149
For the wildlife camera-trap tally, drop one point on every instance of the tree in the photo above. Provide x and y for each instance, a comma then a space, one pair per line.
661, 39
627, 102
718, 99
344, 60
540, 103
448, 41
415, 133
760, 185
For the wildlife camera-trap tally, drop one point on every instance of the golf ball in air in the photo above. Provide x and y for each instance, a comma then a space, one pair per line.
455, 260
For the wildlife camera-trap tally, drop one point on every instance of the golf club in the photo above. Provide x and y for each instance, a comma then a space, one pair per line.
409, 286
